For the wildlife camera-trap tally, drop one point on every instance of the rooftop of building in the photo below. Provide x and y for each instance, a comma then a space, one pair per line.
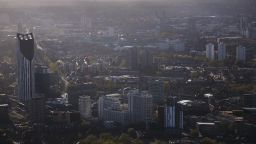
114, 95
253, 109
138, 93
4, 105
191, 103
84, 96
208, 95
205, 123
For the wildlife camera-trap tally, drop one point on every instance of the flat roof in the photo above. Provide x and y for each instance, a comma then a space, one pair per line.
251, 109
4, 105
114, 95
205, 123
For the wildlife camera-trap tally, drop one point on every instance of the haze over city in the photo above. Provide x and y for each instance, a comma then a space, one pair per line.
127, 71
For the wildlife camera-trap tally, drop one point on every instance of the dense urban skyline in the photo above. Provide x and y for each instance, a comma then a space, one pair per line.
127, 72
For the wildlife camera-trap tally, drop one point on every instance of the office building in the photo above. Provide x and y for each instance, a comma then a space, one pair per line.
85, 106
221, 51
145, 59
140, 105
210, 51
120, 116
192, 33
241, 54
110, 101
170, 117
36, 105
159, 90
42, 80
76, 90
173, 114
25, 55
36, 109
111, 109
132, 58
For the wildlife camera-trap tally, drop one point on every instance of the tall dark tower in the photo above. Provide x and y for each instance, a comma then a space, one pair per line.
163, 22
42, 79
192, 33
133, 58
25, 55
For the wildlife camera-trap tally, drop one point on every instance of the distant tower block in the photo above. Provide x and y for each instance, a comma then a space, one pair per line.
140, 105
221, 51
85, 106
210, 51
241, 54
244, 27
86, 22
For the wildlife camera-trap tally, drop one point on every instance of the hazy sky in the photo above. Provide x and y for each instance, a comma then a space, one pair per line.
54, 2
70, 2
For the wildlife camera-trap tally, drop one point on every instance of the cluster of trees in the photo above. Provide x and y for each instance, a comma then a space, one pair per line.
207, 140
124, 138
106, 138
243, 88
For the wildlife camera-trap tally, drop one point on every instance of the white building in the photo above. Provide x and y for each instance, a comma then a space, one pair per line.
120, 116
210, 51
111, 109
140, 106
84, 103
241, 53
221, 51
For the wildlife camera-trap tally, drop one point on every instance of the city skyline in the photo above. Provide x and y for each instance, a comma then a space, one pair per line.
127, 72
